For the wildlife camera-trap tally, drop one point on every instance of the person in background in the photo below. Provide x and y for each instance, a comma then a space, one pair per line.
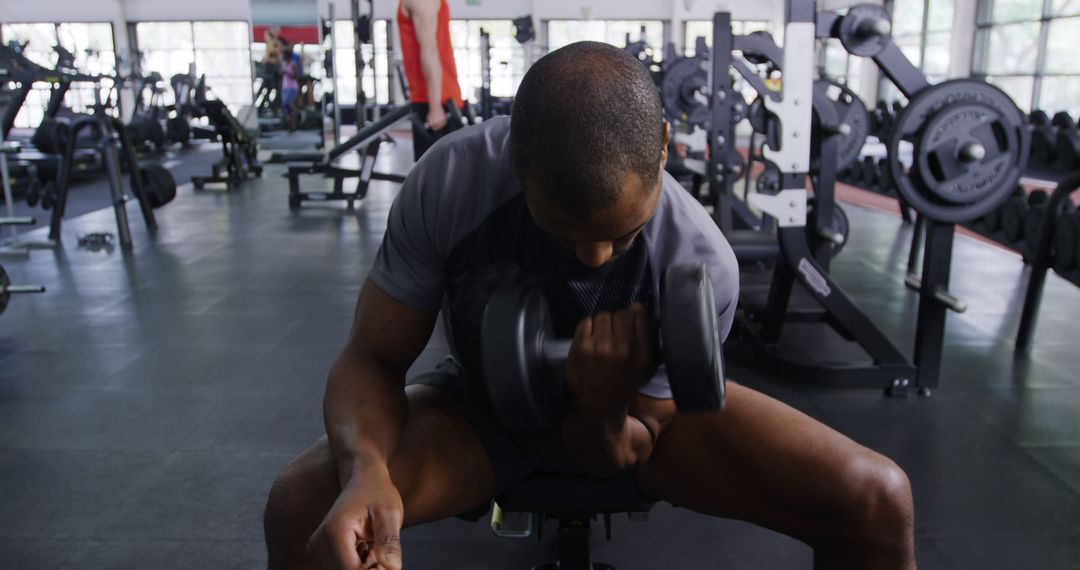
428, 58
290, 74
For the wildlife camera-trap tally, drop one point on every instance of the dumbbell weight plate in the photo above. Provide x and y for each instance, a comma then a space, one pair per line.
1012, 218
524, 393
690, 338
1033, 224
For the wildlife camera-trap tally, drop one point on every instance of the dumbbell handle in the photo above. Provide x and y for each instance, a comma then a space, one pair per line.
22, 289
555, 351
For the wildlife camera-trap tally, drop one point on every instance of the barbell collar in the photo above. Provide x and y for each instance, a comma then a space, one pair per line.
972, 152
872, 28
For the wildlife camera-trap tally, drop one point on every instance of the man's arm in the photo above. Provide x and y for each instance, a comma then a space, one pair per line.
425, 17
610, 427
365, 406
603, 446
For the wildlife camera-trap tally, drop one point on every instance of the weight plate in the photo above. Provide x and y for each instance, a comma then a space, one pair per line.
5, 296
683, 91
515, 323
865, 30
690, 335
850, 111
970, 144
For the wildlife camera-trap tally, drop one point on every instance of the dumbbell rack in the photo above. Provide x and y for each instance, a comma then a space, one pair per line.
1042, 260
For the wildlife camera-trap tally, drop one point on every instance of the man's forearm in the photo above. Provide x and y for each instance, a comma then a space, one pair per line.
604, 446
365, 409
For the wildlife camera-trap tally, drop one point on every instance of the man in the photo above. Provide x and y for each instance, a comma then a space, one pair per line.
568, 196
430, 69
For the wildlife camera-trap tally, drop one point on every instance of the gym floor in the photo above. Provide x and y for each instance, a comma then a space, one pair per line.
148, 399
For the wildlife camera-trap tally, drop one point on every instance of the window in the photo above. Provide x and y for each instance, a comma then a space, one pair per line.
95, 53
834, 62
922, 29
376, 80
220, 50
614, 32
695, 29
507, 57
1025, 47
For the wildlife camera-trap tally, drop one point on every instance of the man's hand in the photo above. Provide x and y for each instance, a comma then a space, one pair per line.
612, 355
363, 528
436, 118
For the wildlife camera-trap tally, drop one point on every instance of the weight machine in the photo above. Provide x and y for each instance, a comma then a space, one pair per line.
969, 146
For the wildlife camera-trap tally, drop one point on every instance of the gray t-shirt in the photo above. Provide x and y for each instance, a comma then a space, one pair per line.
460, 229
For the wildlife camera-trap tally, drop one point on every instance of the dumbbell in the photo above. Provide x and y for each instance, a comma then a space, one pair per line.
871, 174
1035, 217
1067, 146
1012, 216
885, 181
7, 289
1066, 234
523, 361
1043, 138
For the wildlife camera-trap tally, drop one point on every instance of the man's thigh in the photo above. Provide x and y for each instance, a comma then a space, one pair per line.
440, 466
761, 461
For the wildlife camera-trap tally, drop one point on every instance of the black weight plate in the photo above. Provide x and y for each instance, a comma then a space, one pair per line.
522, 394
159, 184
1038, 118
851, 111
690, 338
1066, 232
683, 80
851, 35
992, 220
942, 187
5, 296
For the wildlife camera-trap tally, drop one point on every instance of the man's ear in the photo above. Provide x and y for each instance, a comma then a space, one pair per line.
664, 149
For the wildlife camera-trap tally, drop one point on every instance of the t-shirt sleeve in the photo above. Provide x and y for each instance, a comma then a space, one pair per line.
686, 233
410, 265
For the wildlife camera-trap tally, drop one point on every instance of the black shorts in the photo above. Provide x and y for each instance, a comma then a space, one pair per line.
513, 458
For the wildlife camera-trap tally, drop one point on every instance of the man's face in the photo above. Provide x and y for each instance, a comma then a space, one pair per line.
605, 234
609, 232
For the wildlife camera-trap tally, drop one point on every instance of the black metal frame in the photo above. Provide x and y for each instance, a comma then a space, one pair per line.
373, 135
110, 132
239, 151
804, 257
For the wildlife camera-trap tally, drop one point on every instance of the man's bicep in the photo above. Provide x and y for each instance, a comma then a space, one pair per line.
388, 330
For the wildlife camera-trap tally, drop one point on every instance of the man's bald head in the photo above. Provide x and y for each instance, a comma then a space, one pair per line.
585, 118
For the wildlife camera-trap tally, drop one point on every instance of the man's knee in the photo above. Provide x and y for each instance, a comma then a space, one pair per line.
881, 497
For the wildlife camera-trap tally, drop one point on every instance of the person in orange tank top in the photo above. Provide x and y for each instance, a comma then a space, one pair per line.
428, 58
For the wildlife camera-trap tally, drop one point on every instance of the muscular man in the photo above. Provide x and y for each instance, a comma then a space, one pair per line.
568, 196
428, 58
